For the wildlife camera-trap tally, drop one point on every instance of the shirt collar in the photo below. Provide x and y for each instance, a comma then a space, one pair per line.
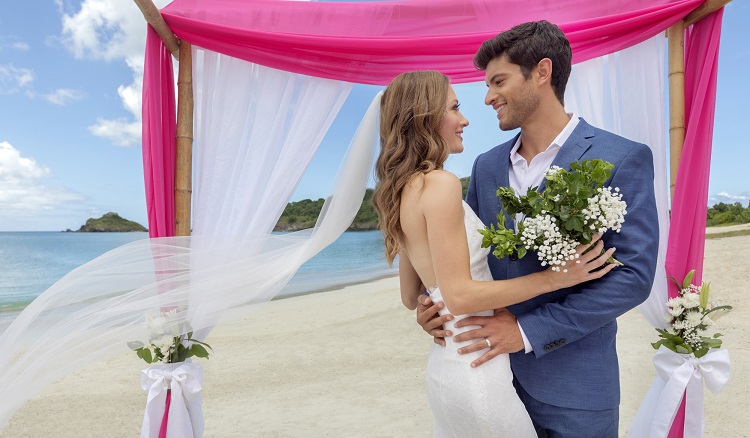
557, 143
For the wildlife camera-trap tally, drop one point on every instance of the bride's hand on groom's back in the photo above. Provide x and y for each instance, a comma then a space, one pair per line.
430, 321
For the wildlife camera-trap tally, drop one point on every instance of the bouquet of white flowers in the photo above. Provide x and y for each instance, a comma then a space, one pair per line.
167, 343
572, 209
689, 315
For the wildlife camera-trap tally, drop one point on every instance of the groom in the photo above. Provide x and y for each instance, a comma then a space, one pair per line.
562, 344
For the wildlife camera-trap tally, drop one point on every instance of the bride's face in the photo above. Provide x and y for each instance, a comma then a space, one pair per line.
453, 124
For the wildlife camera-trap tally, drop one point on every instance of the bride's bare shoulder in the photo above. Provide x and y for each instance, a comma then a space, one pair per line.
434, 189
442, 181
435, 180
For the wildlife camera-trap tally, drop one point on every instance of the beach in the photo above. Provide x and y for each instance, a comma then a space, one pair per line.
351, 362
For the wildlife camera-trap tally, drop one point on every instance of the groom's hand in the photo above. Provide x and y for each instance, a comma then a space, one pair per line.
501, 330
431, 322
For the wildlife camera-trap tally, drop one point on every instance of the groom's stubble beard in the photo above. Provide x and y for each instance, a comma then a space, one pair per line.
520, 108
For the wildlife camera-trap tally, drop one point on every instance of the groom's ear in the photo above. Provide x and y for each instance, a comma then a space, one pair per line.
544, 71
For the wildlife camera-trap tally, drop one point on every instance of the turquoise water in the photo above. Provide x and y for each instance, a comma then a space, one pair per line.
30, 262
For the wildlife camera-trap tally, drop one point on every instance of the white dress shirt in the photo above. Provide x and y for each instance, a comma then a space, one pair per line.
523, 175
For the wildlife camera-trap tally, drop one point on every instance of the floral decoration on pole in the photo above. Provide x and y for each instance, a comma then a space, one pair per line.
687, 358
689, 316
173, 382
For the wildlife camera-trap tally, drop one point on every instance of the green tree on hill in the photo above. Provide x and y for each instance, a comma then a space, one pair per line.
111, 222
303, 214
728, 214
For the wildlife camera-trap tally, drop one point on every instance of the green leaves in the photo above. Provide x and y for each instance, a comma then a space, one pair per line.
688, 279
135, 345
145, 354
182, 348
199, 351
506, 241
717, 312
565, 197
705, 287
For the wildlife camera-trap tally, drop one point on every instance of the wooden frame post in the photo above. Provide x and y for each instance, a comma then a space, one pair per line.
183, 183
676, 62
154, 18
708, 7
183, 186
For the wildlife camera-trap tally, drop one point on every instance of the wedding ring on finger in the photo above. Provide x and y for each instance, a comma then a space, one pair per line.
489, 344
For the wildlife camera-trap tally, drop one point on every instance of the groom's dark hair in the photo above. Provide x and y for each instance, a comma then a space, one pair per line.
527, 44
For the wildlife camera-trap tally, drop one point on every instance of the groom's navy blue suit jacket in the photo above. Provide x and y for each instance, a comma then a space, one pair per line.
572, 331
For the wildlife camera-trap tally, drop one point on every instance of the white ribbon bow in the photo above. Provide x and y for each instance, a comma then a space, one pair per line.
679, 374
185, 381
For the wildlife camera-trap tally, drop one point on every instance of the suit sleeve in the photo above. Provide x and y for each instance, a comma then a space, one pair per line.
592, 305
471, 192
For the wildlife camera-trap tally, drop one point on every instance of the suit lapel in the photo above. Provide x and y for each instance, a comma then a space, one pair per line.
502, 177
574, 148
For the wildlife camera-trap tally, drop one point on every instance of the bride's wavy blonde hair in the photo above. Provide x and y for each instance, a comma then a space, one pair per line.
411, 114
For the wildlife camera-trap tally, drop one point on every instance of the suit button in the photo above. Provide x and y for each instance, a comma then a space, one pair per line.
513, 257
562, 341
547, 347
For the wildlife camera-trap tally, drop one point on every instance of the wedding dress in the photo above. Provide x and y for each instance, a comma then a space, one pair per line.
473, 402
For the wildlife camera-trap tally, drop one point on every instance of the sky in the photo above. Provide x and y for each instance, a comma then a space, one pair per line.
70, 87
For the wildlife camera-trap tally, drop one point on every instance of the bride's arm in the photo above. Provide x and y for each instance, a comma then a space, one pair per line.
444, 215
411, 284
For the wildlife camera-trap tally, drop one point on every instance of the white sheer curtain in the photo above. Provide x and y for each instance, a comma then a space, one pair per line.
93, 312
624, 93
256, 130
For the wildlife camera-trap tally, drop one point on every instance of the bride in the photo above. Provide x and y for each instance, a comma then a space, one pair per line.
426, 223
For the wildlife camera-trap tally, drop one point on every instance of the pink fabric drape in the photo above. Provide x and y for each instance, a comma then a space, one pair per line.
373, 42
364, 43
687, 232
165, 418
159, 132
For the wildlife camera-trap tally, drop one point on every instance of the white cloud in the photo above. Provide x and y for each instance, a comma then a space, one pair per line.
27, 190
743, 198
63, 95
120, 131
124, 132
104, 29
13, 79
111, 30
20, 45
13, 42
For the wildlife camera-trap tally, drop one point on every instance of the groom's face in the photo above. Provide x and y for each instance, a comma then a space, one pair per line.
509, 93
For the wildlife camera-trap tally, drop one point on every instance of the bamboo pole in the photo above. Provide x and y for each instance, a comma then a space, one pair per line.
676, 61
184, 159
708, 7
154, 18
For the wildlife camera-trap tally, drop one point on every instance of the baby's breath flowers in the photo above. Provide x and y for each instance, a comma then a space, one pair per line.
570, 211
689, 315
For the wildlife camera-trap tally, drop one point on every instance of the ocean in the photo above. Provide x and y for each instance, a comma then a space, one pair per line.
30, 262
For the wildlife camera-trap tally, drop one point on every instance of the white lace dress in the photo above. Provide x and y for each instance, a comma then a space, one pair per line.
473, 402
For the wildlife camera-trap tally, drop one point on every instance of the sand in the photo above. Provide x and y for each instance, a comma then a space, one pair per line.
351, 363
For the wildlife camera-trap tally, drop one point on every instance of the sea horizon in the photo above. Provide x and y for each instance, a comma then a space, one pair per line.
34, 260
